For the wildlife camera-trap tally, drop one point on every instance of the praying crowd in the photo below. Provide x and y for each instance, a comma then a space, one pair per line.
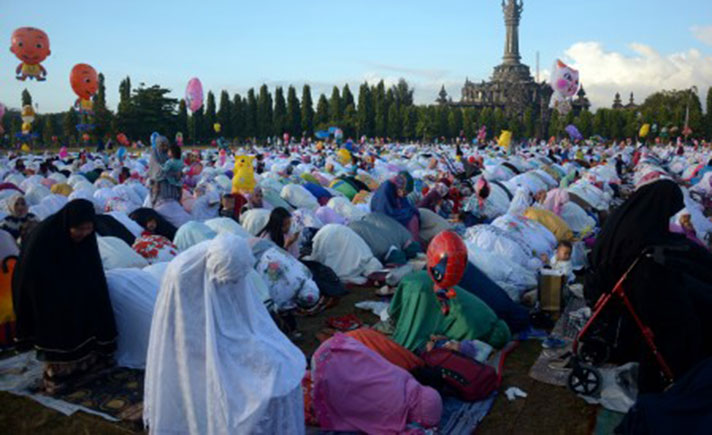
197, 266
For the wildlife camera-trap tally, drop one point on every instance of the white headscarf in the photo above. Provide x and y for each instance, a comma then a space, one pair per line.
216, 362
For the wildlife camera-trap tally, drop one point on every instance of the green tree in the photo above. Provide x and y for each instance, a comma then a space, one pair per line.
321, 118
349, 121
294, 115
468, 122
124, 112
182, 118
442, 114
251, 114
380, 109
237, 116
102, 115
335, 108
529, 123
307, 113
395, 128
26, 98
264, 113
409, 118
280, 112
153, 111
486, 119
210, 115
365, 115
69, 125
554, 124
599, 125
585, 123
403, 93
47, 131
347, 98
499, 122
427, 117
224, 115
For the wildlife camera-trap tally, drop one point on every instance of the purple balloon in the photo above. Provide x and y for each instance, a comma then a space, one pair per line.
194, 94
573, 132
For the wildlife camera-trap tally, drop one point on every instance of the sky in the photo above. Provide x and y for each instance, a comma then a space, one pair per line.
618, 45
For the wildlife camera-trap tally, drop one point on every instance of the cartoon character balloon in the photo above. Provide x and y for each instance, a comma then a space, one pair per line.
565, 83
217, 127
85, 83
31, 46
244, 179
27, 114
447, 260
505, 139
194, 94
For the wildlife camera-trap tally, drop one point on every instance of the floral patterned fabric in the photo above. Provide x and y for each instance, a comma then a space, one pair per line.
154, 248
289, 281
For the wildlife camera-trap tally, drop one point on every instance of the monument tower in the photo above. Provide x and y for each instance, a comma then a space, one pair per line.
512, 87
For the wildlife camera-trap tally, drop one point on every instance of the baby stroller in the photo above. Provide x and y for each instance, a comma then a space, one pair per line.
590, 350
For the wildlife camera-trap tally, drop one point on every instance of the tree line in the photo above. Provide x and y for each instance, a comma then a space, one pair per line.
378, 112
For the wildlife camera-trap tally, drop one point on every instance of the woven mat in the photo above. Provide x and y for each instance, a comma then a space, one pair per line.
541, 371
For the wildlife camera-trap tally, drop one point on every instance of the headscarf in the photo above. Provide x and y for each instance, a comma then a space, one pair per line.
387, 201
643, 220
403, 181
217, 363
64, 311
555, 200
382, 398
191, 233
481, 187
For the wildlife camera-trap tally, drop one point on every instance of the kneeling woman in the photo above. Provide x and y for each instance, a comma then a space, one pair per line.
61, 298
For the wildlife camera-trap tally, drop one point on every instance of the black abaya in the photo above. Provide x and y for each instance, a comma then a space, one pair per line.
60, 294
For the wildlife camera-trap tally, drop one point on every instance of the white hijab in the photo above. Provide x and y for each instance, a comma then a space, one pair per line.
216, 359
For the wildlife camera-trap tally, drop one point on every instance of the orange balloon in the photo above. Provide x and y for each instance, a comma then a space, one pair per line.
30, 45
84, 80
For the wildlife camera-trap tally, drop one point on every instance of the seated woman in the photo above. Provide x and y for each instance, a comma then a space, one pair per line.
18, 217
357, 390
390, 199
213, 346
418, 315
277, 230
64, 312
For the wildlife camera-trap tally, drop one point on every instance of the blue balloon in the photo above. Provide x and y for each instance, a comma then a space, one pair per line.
154, 136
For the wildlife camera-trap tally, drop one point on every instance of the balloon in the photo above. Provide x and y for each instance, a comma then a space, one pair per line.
446, 263
573, 132
194, 94
343, 156
216, 127
31, 46
244, 179
123, 140
505, 139
27, 114
85, 83
85, 137
25, 148
644, 130
26, 127
565, 83
154, 136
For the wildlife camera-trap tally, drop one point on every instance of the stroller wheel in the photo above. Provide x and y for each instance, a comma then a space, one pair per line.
584, 380
594, 351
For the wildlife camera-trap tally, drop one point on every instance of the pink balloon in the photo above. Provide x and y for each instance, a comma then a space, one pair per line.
194, 94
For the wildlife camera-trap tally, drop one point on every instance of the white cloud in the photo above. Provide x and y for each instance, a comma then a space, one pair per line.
703, 33
603, 73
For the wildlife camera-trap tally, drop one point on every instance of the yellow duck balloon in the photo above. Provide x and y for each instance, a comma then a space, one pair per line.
243, 180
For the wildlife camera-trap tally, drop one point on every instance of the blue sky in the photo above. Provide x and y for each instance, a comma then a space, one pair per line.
619, 45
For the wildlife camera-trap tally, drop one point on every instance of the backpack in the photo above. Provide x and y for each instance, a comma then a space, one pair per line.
462, 376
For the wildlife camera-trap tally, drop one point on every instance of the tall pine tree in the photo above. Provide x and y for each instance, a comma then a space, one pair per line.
347, 98
336, 111
251, 114
26, 98
280, 113
237, 119
380, 109
294, 114
264, 113
224, 115
210, 116
182, 119
321, 118
102, 115
364, 122
307, 111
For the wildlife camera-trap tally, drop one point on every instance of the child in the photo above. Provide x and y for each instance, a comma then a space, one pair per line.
562, 260
172, 169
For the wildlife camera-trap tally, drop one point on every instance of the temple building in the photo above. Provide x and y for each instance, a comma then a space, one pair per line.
511, 87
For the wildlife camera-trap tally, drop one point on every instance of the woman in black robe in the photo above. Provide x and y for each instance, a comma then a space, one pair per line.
674, 299
61, 298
